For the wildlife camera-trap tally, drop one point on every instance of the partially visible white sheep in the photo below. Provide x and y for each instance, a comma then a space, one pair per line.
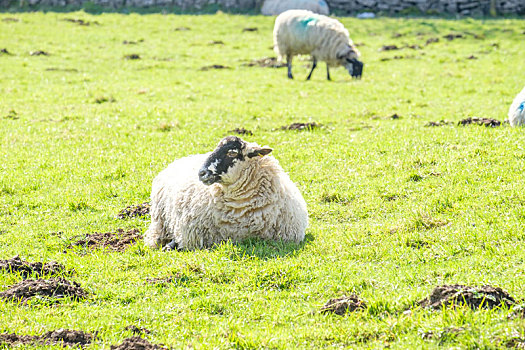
276, 7
299, 32
235, 192
517, 110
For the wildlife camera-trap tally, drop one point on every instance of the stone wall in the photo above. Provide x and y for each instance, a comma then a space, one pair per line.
461, 7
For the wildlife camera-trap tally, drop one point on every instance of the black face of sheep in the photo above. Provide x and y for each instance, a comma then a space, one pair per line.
355, 68
231, 153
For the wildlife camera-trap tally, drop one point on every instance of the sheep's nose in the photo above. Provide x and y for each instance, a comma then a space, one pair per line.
202, 173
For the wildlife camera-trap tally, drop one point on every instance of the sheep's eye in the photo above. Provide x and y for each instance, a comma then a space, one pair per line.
232, 153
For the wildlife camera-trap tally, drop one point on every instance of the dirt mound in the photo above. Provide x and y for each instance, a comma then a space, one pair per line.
80, 22
344, 304
214, 66
301, 126
486, 297
182, 29
134, 211
38, 53
453, 36
438, 123
241, 131
26, 269
56, 288
431, 41
137, 330
266, 62
64, 337
389, 48
116, 241
250, 29
136, 343
480, 121
133, 56
4, 52
472, 57
216, 42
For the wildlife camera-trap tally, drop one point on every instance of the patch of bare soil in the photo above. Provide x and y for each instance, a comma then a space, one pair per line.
38, 53
216, 42
131, 42
55, 288
250, 29
480, 121
344, 304
133, 56
395, 116
241, 131
64, 337
136, 343
55, 69
4, 52
472, 57
438, 123
266, 62
214, 66
301, 126
10, 19
26, 269
137, 330
116, 241
431, 41
453, 36
182, 29
80, 22
137, 210
486, 297
389, 48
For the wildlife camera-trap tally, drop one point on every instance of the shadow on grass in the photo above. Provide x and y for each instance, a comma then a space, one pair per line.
266, 249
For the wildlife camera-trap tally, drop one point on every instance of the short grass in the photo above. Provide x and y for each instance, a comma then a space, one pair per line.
396, 208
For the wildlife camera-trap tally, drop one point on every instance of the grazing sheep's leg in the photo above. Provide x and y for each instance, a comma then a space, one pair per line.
154, 234
289, 64
313, 67
328, 72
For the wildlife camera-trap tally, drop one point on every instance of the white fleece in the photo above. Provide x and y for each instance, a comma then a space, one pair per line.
276, 7
298, 32
517, 110
256, 199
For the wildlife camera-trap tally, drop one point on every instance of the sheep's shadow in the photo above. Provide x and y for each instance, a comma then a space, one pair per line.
266, 249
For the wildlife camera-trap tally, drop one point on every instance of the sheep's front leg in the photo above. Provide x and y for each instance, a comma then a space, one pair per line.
289, 64
313, 67
328, 72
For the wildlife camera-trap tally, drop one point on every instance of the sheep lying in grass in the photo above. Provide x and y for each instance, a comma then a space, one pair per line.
326, 39
517, 110
276, 7
235, 192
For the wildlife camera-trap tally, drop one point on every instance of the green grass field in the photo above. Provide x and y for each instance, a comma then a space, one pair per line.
396, 208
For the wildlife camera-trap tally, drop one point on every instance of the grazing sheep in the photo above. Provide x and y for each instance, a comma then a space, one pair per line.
235, 192
276, 7
326, 39
517, 110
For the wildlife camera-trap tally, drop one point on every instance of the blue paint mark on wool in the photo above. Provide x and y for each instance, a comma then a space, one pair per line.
305, 22
521, 107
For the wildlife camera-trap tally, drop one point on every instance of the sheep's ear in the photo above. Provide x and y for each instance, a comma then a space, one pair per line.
259, 151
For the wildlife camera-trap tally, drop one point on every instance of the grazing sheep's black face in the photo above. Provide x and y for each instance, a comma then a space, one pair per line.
228, 152
354, 67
